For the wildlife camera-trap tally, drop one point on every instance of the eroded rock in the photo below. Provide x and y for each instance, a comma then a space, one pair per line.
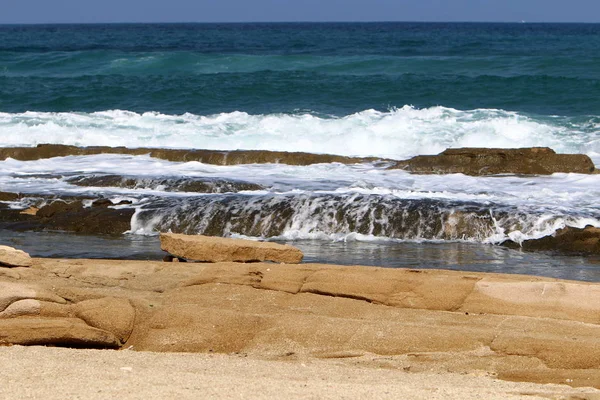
10, 257
11, 292
54, 331
109, 314
215, 249
511, 326
484, 161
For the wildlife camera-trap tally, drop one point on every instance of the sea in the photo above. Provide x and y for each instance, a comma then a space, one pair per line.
383, 90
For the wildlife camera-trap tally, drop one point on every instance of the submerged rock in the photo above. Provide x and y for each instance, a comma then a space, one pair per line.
330, 214
10, 257
216, 249
168, 184
483, 161
568, 240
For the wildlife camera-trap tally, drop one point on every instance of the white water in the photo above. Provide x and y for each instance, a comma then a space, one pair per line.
543, 203
399, 134
540, 205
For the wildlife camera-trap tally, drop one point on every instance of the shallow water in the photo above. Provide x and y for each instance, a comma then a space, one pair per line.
455, 256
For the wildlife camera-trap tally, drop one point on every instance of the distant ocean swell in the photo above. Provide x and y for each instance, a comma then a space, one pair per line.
398, 133
73, 64
328, 92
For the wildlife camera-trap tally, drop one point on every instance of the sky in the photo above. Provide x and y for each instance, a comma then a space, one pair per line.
96, 11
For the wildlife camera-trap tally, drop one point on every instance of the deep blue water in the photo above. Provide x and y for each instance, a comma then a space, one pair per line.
325, 69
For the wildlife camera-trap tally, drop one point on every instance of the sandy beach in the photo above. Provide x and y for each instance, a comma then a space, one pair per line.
56, 373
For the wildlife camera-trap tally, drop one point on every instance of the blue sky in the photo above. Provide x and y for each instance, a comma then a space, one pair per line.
50, 11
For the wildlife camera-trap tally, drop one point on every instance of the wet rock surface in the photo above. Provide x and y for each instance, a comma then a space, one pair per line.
205, 156
217, 249
70, 216
271, 216
565, 240
484, 161
173, 184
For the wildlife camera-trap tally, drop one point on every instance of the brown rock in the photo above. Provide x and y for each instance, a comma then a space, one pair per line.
515, 327
204, 156
55, 332
10, 257
8, 196
215, 249
567, 240
73, 217
482, 161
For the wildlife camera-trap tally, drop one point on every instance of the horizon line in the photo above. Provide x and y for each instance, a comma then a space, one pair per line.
294, 22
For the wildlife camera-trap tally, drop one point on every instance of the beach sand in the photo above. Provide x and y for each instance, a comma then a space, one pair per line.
58, 373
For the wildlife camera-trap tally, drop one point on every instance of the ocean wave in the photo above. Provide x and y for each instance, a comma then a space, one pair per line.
139, 63
398, 133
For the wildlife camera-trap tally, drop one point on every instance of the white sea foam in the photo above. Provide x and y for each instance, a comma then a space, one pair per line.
573, 193
537, 205
399, 133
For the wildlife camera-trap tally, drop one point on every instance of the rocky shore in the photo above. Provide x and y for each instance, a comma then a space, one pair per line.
510, 327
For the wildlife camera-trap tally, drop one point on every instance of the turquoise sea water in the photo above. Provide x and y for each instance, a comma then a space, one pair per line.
323, 69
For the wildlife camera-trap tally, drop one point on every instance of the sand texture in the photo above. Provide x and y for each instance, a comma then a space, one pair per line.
57, 374
398, 325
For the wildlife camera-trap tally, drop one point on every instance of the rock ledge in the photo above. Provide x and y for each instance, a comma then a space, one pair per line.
484, 161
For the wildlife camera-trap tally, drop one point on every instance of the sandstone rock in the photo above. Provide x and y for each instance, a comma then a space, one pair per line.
215, 249
568, 240
21, 308
11, 292
30, 211
559, 300
55, 332
10, 257
483, 161
518, 327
